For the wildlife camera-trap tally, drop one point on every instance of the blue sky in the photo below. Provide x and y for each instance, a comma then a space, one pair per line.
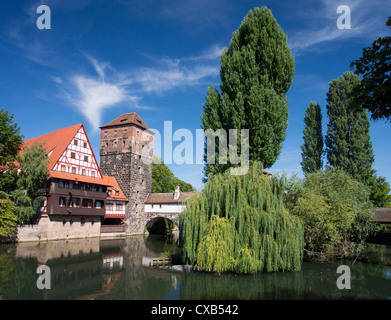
103, 58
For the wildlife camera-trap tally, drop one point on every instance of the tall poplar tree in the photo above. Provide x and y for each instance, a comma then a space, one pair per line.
312, 150
256, 72
348, 143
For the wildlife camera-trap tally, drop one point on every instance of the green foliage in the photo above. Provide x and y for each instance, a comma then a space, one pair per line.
10, 144
33, 172
256, 72
163, 180
239, 224
348, 144
335, 209
7, 216
312, 150
380, 191
374, 91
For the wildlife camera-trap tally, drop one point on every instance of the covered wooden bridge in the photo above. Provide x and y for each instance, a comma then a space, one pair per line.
382, 215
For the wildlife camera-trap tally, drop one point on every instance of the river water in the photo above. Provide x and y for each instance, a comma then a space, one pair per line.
120, 269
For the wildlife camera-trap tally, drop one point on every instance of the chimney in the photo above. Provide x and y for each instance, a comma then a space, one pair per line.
177, 193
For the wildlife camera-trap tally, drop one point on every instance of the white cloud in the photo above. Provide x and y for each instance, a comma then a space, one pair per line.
211, 53
96, 95
92, 95
367, 21
157, 80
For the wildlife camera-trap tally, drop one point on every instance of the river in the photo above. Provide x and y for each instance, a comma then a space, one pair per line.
87, 269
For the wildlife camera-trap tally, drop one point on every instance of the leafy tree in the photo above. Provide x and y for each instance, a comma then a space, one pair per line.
184, 186
380, 191
312, 150
10, 144
374, 91
336, 212
8, 217
33, 171
239, 224
348, 143
163, 179
256, 72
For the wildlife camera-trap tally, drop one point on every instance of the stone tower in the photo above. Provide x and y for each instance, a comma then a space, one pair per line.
126, 153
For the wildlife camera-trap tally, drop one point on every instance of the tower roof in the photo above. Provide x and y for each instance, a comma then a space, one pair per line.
127, 118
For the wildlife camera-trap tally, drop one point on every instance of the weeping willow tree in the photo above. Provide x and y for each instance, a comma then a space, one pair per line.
239, 224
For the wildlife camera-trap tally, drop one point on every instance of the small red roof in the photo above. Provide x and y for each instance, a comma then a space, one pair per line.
113, 188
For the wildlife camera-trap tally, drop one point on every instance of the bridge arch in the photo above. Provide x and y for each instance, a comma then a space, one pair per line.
158, 223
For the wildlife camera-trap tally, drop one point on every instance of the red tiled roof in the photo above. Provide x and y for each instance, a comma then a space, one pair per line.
168, 197
79, 178
127, 118
114, 187
55, 142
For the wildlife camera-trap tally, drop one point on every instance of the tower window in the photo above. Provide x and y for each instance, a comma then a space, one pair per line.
115, 132
125, 131
105, 133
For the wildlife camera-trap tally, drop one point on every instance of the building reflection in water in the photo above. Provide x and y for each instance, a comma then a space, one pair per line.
86, 269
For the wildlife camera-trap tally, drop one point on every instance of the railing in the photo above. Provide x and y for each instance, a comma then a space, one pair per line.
112, 228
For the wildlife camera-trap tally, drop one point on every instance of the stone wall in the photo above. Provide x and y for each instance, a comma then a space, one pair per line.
60, 227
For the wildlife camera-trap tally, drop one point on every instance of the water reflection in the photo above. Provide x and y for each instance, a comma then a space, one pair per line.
114, 269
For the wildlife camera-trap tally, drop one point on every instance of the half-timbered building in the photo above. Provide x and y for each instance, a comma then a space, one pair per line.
76, 191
